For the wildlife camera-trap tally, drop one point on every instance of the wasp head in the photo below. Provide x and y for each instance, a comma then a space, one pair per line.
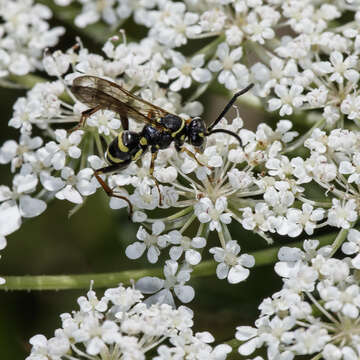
197, 133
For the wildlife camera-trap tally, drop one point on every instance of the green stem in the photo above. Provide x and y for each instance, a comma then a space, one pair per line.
27, 81
234, 343
300, 141
338, 241
105, 280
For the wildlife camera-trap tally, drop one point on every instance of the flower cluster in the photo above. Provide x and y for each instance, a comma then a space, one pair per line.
315, 313
260, 185
121, 326
303, 59
24, 35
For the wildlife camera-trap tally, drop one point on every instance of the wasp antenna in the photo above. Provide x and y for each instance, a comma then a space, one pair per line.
228, 106
226, 132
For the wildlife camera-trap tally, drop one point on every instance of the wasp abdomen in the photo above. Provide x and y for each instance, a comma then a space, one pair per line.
125, 148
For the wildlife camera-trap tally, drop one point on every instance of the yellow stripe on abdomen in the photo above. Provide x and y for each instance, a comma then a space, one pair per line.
113, 159
121, 145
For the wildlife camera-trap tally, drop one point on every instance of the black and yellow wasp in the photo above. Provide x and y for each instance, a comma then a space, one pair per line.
160, 130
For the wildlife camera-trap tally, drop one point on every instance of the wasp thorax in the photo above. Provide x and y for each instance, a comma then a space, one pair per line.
196, 132
171, 122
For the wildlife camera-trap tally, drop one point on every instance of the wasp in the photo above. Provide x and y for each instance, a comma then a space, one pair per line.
160, 130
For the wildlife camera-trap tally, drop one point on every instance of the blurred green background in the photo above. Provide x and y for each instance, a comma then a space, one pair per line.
94, 241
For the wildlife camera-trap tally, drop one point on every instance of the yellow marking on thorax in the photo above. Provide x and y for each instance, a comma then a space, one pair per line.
137, 155
143, 141
121, 145
180, 128
113, 159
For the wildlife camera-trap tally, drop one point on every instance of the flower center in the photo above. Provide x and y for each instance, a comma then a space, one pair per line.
230, 258
186, 69
228, 63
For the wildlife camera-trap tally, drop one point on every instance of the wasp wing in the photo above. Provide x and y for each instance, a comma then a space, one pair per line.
94, 91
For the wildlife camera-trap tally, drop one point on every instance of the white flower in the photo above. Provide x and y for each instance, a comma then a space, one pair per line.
228, 66
207, 212
185, 70
105, 121
75, 186
304, 219
338, 68
257, 218
152, 242
342, 214
352, 246
347, 301
231, 265
175, 279
185, 244
117, 328
25, 113
25, 34
212, 20
260, 29
15, 153
28, 206
287, 99
351, 168
91, 303
67, 145
351, 106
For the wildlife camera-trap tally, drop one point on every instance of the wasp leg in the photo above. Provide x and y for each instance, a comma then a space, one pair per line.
124, 121
84, 116
108, 190
191, 154
152, 165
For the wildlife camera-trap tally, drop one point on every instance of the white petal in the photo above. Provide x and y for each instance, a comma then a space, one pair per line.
149, 285
58, 160
10, 218
192, 257
158, 227
135, 250
244, 333
222, 270
70, 194
356, 262
95, 346
198, 242
2, 242
153, 254
248, 348
237, 274
162, 297
74, 152
201, 75
31, 207
185, 293
175, 252
51, 183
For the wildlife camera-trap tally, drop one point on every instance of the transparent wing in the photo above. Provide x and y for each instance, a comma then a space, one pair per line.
94, 91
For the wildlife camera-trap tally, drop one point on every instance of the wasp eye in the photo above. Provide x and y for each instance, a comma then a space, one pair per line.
197, 132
